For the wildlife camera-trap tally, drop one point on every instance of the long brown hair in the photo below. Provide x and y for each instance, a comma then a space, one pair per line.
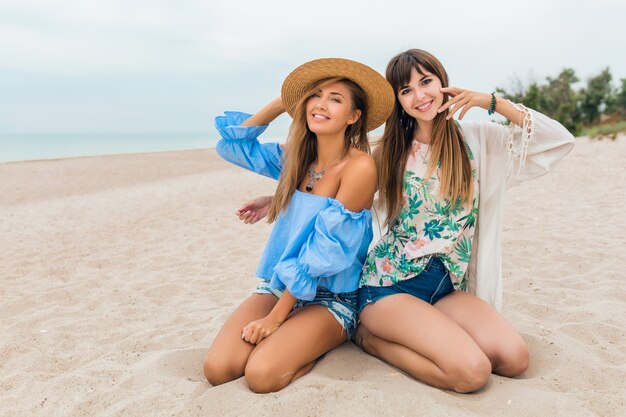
301, 146
447, 150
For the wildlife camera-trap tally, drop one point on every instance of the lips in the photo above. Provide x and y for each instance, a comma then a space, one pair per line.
424, 107
317, 116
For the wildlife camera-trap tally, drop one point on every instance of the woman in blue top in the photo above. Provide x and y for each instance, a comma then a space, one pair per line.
306, 301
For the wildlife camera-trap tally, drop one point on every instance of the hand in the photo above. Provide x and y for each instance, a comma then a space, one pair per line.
254, 210
255, 331
463, 99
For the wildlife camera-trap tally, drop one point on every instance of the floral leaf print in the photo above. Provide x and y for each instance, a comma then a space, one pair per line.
432, 229
455, 269
457, 207
370, 265
463, 283
409, 230
470, 218
414, 203
451, 224
404, 266
381, 249
441, 209
386, 265
464, 249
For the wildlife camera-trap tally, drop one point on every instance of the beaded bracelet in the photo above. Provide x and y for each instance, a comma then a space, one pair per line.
492, 108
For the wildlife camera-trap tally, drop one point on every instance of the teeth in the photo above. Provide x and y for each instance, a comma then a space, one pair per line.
319, 116
424, 106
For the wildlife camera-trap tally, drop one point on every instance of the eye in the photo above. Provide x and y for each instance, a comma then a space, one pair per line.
336, 100
405, 91
426, 81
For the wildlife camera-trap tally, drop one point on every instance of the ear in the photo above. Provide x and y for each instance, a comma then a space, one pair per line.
354, 117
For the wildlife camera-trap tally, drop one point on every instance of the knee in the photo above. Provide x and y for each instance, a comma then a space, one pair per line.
218, 369
471, 375
513, 360
263, 377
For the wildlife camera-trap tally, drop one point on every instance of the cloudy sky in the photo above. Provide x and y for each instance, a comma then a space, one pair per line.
126, 66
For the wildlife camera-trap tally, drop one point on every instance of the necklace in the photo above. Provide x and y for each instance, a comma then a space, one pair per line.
316, 176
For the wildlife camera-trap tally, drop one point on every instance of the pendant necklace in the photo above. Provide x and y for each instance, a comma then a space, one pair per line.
316, 176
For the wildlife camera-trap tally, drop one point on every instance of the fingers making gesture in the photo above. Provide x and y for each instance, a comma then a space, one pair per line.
461, 99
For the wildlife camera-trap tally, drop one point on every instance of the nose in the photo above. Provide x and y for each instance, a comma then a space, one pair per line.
321, 103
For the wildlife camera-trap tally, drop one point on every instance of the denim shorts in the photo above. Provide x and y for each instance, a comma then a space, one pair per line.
343, 306
431, 286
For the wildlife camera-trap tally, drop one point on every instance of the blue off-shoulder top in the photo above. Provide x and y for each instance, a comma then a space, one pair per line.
316, 241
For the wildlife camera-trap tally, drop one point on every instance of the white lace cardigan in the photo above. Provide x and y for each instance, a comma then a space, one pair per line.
505, 156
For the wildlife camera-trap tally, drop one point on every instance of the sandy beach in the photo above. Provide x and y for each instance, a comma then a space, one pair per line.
118, 271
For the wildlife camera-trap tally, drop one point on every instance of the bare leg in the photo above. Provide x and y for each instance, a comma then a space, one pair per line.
291, 351
422, 341
505, 348
228, 354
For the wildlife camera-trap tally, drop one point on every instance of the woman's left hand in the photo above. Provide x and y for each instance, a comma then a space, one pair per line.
257, 330
463, 100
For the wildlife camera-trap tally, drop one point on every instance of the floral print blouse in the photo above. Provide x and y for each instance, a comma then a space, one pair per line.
427, 226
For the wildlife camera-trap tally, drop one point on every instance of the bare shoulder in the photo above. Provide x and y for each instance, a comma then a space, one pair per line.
358, 181
359, 164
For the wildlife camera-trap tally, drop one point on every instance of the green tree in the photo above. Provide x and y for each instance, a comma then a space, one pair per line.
619, 101
597, 98
556, 99
559, 100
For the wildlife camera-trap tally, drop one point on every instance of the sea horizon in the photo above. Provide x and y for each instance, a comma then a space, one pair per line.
22, 147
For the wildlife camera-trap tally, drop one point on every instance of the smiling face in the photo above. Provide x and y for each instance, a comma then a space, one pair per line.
421, 96
330, 109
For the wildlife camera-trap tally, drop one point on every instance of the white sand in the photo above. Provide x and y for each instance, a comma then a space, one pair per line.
118, 271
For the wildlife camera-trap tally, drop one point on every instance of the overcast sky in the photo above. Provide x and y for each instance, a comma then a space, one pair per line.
128, 66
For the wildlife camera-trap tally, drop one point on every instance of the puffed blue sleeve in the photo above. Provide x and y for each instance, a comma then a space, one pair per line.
331, 248
239, 145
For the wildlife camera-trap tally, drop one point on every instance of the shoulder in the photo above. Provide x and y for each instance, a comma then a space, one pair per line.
359, 163
358, 181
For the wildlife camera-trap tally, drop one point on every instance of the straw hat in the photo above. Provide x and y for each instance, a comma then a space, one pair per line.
379, 94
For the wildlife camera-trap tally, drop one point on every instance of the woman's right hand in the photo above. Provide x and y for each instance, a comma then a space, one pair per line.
254, 210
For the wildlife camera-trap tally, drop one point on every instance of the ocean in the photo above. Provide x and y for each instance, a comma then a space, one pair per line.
28, 147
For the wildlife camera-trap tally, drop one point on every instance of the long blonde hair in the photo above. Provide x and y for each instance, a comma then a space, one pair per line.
447, 148
301, 146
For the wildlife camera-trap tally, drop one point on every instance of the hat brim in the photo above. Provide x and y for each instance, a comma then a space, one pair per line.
379, 95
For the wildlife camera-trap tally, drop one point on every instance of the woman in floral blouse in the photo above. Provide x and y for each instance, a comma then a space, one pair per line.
431, 287
429, 290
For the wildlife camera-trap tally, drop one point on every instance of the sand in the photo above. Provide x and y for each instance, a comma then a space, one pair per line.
117, 272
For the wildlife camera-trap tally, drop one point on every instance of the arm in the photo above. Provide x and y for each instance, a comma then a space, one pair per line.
267, 114
465, 99
531, 146
257, 330
240, 146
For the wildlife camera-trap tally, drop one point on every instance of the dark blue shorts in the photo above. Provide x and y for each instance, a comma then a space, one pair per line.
431, 285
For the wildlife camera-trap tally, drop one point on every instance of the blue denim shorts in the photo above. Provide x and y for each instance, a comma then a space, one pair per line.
343, 306
431, 286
